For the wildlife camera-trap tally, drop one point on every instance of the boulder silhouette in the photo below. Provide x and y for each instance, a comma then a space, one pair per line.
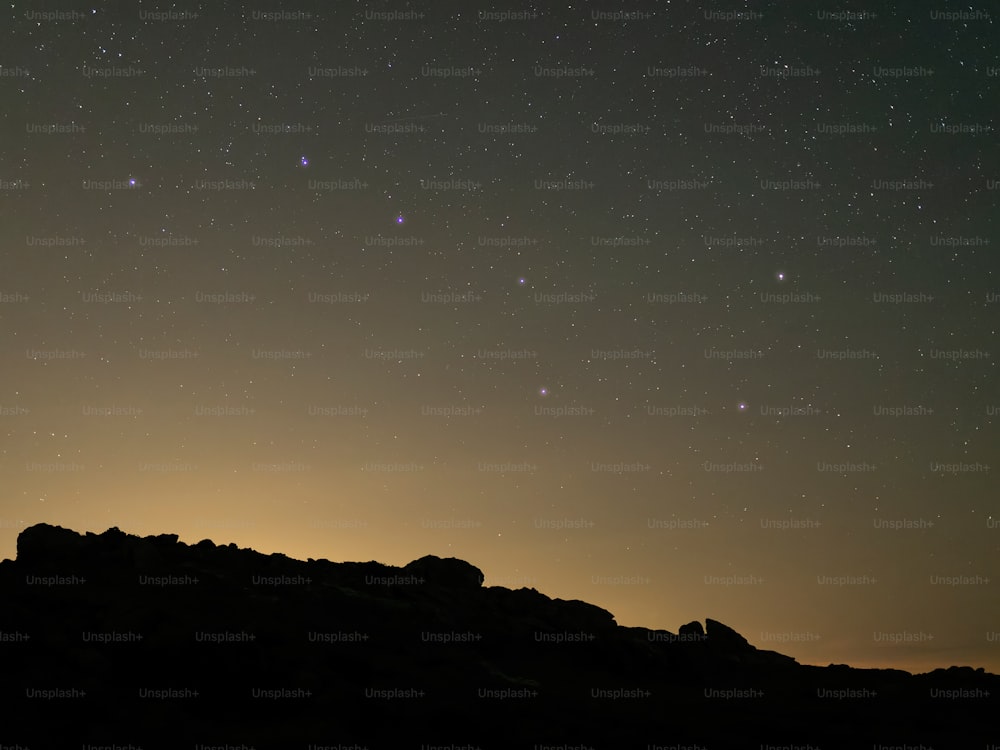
46, 545
449, 571
724, 637
692, 629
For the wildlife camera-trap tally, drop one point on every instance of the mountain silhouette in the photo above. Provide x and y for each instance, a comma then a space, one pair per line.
116, 640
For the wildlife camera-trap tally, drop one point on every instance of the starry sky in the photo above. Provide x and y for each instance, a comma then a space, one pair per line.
685, 312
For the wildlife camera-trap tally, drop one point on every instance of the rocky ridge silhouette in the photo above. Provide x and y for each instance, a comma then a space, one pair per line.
114, 640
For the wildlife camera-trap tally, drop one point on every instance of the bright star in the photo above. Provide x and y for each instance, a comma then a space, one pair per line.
400, 219
304, 161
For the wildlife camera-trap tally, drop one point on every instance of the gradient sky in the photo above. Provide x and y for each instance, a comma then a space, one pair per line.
686, 314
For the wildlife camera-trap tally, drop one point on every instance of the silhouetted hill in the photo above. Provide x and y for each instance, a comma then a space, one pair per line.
116, 640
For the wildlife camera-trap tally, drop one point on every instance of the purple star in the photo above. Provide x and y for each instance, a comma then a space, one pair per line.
400, 219
543, 391
522, 281
131, 182
742, 406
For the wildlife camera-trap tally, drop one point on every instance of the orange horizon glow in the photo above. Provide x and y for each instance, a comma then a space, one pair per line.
756, 624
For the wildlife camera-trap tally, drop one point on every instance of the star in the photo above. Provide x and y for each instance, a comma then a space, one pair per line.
543, 391
522, 281
400, 219
304, 161
781, 275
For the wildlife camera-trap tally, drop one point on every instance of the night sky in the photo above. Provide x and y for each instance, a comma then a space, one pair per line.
688, 313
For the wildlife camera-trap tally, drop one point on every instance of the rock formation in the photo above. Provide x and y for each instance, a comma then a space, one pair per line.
110, 640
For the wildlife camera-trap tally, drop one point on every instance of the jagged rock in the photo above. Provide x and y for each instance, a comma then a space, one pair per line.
44, 544
165, 540
692, 628
339, 629
723, 636
113, 536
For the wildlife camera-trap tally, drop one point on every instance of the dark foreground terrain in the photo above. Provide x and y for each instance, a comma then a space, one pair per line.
117, 641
